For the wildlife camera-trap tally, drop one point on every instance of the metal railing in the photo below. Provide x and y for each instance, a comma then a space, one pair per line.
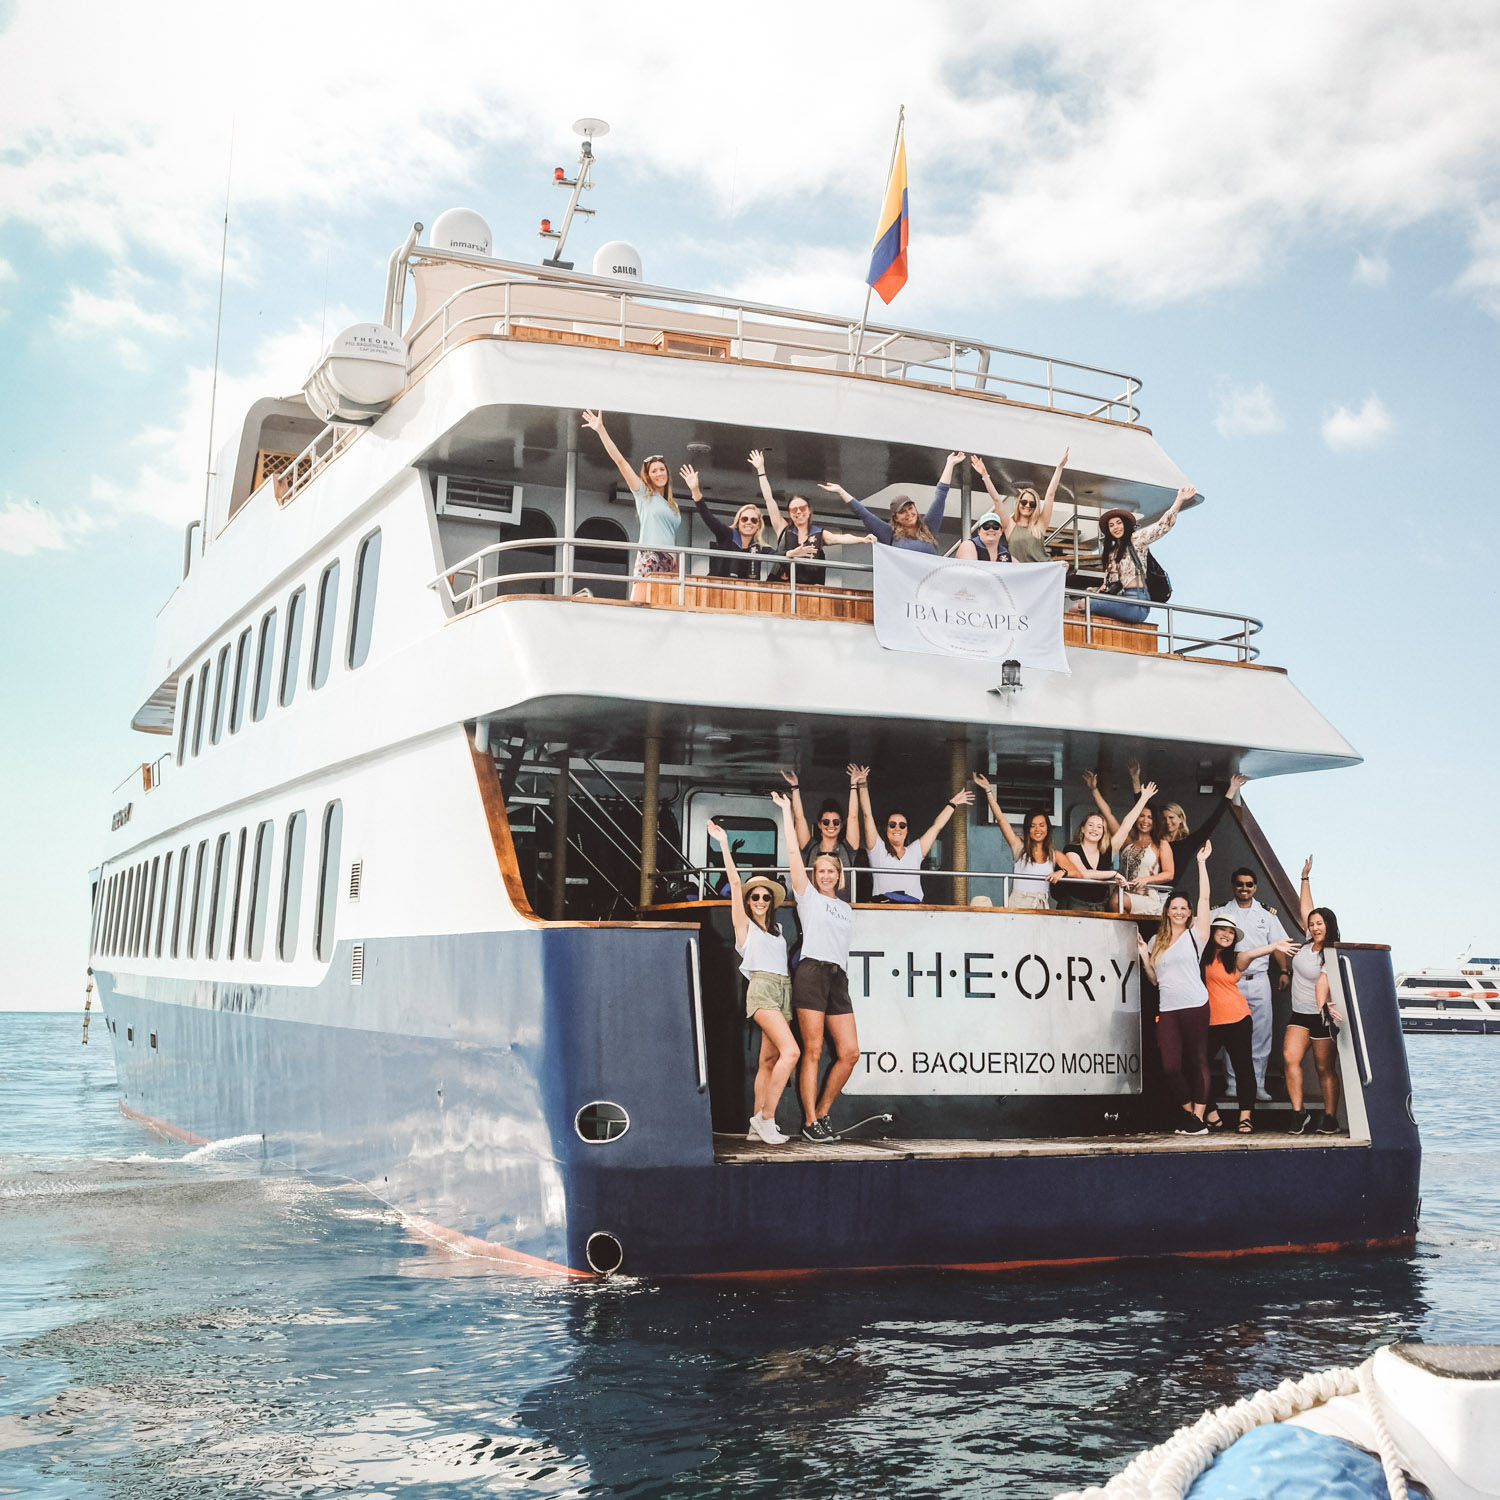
1179, 629
776, 335
289, 482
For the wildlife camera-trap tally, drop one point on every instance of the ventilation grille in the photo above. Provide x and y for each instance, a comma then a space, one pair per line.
356, 877
478, 498
357, 964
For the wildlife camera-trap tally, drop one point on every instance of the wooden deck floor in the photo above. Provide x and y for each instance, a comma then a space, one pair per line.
733, 1150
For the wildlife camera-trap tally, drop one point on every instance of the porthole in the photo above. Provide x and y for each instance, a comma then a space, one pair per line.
601, 1122
604, 1253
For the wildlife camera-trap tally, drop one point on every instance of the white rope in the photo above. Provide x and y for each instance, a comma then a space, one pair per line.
1167, 1471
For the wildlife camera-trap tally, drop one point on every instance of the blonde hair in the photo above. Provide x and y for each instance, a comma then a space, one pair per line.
833, 860
666, 493
1163, 939
1166, 813
754, 511
918, 528
1036, 526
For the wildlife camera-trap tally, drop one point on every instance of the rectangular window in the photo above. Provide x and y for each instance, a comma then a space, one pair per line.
328, 880
291, 887
198, 711
128, 920
150, 907
239, 880
296, 608
200, 898
265, 657
328, 608
95, 915
220, 897
182, 872
138, 932
221, 696
106, 936
187, 714
241, 681
362, 613
166, 899
260, 891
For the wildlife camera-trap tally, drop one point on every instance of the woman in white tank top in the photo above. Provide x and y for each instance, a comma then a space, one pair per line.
1034, 865
768, 995
893, 853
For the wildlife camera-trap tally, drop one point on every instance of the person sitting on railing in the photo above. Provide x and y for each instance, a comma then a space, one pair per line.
655, 508
820, 987
1026, 526
744, 540
1125, 554
1174, 963
1145, 858
1312, 1009
1186, 843
1034, 864
829, 838
797, 536
1229, 1023
892, 852
988, 542
906, 529
761, 945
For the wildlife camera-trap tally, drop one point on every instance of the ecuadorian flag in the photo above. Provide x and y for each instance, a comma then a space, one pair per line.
888, 259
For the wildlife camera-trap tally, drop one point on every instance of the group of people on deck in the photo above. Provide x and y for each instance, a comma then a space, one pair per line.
1211, 968
1011, 530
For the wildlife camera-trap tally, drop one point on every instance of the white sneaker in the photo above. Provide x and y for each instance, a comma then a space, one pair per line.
766, 1130
753, 1134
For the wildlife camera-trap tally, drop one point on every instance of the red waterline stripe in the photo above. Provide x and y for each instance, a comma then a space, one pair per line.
152, 1123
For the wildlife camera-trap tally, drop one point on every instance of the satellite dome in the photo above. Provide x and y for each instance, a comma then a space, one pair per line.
619, 260
461, 229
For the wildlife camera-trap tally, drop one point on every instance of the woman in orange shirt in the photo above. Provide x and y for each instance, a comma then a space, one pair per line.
1229, 1023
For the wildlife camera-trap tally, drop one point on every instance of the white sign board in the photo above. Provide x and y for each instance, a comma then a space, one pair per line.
979, 611
959, 1003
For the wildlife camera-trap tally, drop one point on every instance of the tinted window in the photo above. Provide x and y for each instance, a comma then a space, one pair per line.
328, 878
260, 890
596, 560
105, 937
241, 682
362, 615
150, 907
220, 900
182, 873
187, 712
296, 607
200, 898
142, 911
265, 656
234, 902
198, 711
291, 886
166, 895
221, 695
128, 921
328, 608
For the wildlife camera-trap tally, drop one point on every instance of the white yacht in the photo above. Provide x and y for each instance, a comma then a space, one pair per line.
416, 886
1463, 998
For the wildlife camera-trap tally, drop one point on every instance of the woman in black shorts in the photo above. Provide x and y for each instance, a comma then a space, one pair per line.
820, 985
1312, 1005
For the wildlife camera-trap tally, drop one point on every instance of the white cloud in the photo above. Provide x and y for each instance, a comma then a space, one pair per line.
1345, 428
26, 528
7, 273
1247, 411
1482, 276
1371, 270
118, 315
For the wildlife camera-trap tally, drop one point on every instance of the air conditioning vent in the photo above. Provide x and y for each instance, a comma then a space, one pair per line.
477, 499
356, 877
357, 964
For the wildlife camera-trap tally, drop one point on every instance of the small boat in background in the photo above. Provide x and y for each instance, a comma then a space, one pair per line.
1465, 997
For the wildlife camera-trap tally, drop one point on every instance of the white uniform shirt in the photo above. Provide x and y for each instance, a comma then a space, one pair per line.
1259, 927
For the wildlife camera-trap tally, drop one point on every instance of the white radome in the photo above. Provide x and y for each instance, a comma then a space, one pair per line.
461, 229
620, 260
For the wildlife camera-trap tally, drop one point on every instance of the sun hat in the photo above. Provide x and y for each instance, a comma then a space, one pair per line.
764, 882
1127, 516
1239, 935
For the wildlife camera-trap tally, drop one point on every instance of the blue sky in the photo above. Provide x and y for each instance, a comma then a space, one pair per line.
1287, 223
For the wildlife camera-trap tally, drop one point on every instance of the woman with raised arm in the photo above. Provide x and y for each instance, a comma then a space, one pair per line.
893, 853
1144, 858
1229, 1023
1027, 523
797, 536
1184, 840
744, 541
820, 987
1312, 1009
1092, 883
1034, 867
655, 509
906, 529
1174, 962
832, 832
761, 946
1125, 549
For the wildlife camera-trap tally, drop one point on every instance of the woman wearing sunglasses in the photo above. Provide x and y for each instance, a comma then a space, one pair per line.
988, 542
1125, 553
1026, 527
768, 995
796, 536
655, 509
829, 837
747, 535
907, 528
892, 853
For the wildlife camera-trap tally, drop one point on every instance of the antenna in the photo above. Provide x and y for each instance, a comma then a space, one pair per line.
213, 393
588, 127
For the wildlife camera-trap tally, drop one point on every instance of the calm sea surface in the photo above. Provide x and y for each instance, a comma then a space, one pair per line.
184, 1323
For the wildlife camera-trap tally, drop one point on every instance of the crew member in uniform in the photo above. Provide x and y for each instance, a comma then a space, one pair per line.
1258, 927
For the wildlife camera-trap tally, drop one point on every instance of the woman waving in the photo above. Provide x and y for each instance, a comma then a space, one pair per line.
655, 509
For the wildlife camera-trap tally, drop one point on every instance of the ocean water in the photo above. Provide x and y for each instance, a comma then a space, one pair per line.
183, 1323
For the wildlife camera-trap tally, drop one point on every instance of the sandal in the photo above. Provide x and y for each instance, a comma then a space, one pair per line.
1245, 1127
1215, 1121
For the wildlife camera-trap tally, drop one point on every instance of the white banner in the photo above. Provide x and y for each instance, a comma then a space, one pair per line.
979, 610
953, 1003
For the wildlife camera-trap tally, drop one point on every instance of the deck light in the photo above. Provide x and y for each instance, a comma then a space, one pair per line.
1010, 678
546, 226
558, 175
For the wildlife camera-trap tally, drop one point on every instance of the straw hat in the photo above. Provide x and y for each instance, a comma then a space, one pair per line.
1239, 935
764, 882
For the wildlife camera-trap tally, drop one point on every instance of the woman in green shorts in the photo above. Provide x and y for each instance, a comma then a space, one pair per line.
768, 999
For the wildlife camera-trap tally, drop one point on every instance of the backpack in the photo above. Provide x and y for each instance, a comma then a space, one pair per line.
1158, 583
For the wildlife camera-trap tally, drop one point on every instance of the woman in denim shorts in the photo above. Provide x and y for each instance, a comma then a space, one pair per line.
768, 998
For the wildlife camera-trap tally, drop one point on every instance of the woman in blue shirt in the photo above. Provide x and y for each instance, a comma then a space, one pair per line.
907, 528
655, 508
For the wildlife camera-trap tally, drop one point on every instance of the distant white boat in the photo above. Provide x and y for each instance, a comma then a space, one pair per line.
1465, 997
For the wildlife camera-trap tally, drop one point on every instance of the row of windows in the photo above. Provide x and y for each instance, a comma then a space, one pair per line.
243, 670
157, 909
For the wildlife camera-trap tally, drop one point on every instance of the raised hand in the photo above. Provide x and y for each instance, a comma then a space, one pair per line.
1307, 868
758, 461
790, 777
689, 476
1185, 494
982, 781
1135, 775
717, 834
1204, 852
1149, 790
858, 775
1062, 463
782, 801
961, 798
837, 489
1236, 784
1091, 780
978, 465
594, 420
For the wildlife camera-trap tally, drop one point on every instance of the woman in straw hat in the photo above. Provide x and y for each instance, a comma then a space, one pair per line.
1229, 1023
768, 998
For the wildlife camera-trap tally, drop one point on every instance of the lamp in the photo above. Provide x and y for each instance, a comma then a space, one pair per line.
1010, 678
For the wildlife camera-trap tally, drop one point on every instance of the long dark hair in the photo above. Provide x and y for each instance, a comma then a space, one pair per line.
1330, 923
1114, 549
1222, 953
894, 812
1047, 850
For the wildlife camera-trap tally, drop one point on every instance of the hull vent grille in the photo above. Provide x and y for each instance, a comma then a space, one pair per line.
356, 878
357, 964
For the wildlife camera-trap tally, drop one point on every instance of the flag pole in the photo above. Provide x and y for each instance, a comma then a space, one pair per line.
859, 331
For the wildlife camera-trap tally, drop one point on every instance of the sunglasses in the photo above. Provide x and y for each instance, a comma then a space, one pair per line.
1026, 504
895, 822
1245, 884
990, 526
653, 458
831, 818
760, 895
